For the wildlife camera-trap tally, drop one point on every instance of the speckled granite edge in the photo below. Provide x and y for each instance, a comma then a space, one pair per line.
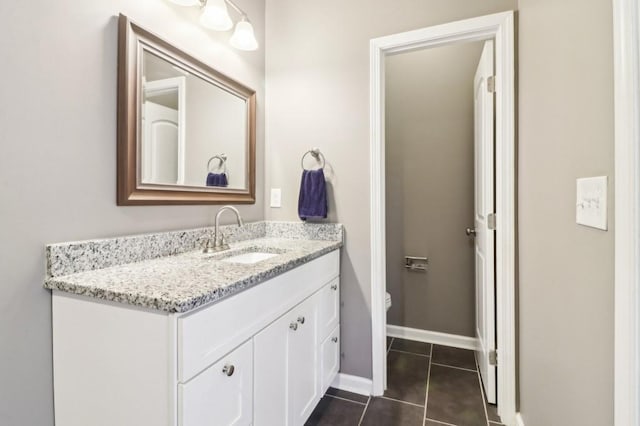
171, 303
305, 231
79, 256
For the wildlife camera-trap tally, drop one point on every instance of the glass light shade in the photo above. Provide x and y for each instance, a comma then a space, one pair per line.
186, 2
243, 37
216, 16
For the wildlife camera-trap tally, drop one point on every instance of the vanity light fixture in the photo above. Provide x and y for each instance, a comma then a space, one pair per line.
215, 16
243, 37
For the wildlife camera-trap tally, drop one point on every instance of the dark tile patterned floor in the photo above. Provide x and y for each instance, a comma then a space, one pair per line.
444, 379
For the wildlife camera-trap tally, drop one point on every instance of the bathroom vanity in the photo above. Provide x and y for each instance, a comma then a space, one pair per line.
248, 336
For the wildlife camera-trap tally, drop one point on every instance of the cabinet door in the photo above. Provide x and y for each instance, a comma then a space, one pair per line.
287, 368
329, 359
222, 394
328, 308
303, 367
271, 359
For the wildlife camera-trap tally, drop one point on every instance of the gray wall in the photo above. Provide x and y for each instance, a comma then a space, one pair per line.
58, 161
216, 124
318, 95
566, 270
429, 186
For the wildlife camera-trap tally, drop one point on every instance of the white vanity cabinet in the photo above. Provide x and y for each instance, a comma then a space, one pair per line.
264, 356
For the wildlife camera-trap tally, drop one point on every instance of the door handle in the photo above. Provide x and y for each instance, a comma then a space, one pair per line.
470, 232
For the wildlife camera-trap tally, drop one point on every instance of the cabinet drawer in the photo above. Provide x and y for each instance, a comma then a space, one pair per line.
207, 334
329, 359
328, 308
222, 394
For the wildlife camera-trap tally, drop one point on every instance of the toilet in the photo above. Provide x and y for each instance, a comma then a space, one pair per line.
387, 301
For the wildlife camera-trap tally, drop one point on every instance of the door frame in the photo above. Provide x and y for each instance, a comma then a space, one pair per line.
500, 27
626, 36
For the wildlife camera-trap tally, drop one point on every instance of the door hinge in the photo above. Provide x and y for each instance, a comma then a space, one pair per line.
491, 84
491, 221
493, 357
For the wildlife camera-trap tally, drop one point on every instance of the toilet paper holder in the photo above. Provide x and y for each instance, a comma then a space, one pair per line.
416, 263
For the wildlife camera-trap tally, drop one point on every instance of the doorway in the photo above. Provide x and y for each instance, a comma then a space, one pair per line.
498, 29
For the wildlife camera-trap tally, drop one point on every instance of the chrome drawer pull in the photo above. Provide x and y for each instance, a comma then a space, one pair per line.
228, 370
334, 286
301, 320
334, 339
293, 326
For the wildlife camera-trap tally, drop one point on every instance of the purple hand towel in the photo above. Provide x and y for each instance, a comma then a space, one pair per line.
217, 179
312, 202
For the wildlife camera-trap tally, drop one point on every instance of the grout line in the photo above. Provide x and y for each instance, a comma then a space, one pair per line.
484, 403
426, 393
364, 411
438, 421
399, 400
453, 366
405, 352
390, 344
345, 399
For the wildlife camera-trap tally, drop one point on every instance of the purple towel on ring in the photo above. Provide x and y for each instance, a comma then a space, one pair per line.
217, 179
312, 202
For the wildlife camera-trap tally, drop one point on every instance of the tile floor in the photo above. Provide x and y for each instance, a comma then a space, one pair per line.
444, 379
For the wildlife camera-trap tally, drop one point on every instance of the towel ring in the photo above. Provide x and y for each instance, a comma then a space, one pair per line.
223, 163
315, 153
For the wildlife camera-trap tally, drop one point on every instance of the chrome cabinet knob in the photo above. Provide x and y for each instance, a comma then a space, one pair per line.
293, 326
334, 287
334, 339
229, 369
301, 320
470, 231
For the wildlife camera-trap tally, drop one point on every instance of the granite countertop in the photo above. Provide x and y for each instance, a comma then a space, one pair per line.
187, 280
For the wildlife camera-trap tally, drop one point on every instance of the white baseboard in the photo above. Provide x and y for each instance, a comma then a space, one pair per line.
355, 384
436, 337
519, 421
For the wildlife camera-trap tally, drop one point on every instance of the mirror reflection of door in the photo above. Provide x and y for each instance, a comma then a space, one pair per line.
161, 140
163, 131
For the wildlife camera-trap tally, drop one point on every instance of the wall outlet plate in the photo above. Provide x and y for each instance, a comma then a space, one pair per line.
591, 202
276, 197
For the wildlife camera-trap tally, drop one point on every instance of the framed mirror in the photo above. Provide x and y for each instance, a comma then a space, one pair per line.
186, 132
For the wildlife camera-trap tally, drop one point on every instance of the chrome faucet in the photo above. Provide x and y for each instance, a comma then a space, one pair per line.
219, 244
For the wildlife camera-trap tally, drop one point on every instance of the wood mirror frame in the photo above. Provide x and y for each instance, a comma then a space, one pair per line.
131, 41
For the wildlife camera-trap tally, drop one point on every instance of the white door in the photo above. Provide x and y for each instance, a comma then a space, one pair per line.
484, 229
161, 145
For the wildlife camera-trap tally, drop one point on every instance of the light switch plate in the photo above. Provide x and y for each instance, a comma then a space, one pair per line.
591, 202
276, 197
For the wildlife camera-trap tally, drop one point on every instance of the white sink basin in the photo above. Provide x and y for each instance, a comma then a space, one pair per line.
248, 258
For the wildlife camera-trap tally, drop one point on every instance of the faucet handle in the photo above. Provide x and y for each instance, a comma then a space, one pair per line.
220, 242
208, 246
